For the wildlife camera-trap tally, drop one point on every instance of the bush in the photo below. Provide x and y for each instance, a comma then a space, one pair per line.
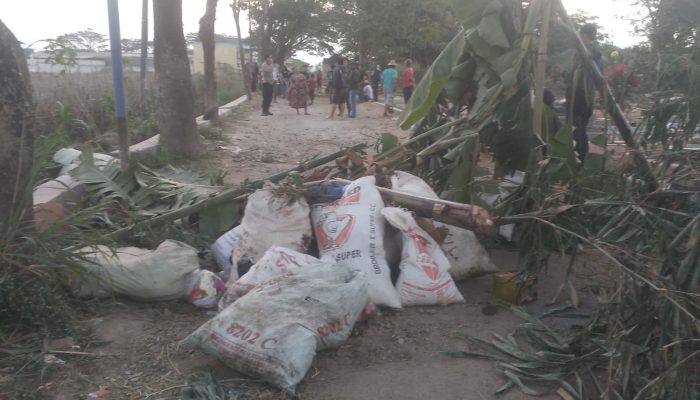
80, 107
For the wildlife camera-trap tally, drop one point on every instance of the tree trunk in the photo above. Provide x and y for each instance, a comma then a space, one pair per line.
206, 35
176, 122
236, 7
16, 119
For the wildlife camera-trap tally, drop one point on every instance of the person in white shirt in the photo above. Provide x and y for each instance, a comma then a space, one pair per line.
367, 92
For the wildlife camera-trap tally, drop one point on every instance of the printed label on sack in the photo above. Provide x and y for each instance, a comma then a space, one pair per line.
334, 230
423, 258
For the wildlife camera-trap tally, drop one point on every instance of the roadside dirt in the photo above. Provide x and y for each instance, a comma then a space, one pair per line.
133, 351
250, 146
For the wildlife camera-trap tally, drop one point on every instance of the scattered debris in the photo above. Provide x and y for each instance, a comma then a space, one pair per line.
99, 394
51, 359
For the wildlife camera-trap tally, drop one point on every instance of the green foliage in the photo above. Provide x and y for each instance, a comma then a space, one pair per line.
282, 27
60, 52
418, 29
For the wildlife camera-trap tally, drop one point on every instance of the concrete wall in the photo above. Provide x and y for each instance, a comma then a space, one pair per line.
226, 57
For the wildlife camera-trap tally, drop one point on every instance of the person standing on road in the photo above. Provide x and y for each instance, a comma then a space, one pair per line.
367, 93
298, 91
311, 83
256, 77
375, 79
580, 91
389, 77
267, 80
354, 80
340, 89
408, 80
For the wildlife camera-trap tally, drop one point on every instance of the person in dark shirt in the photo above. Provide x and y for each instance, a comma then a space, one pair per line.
354, 80
340, 89
580, 91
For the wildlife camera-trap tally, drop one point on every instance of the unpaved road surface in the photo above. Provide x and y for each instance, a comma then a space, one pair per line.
398, 355
250, 146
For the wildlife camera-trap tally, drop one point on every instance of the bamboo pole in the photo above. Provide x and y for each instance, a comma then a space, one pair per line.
228, 194
540, 69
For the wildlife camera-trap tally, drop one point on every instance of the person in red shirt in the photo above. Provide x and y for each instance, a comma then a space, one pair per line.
311, 83
408, 81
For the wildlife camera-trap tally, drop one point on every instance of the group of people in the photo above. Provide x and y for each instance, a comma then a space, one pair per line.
348, 84
297, 85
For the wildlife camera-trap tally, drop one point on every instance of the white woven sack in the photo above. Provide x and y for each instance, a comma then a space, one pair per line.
274, 332
468, 258
424, 279
276, 262
140, 274
271, 220
351, 230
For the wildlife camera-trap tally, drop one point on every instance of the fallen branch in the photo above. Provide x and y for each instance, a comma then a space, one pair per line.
228, 195
463, 215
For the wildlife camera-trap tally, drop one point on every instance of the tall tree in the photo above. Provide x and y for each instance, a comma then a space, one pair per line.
178, 131
16, 118
282, 27
236, 7
363, 29
206, 35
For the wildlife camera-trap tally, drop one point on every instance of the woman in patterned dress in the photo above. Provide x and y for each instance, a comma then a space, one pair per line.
298, 91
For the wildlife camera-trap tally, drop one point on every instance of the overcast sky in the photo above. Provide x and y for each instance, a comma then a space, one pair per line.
33, 20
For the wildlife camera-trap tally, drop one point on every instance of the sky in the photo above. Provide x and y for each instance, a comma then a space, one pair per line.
33, 20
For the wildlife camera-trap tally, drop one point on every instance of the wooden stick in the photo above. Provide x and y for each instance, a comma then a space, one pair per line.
463, 215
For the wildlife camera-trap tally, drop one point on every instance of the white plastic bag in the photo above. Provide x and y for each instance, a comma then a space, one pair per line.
204, 288
424, 279
468, 258
222, 249
351, 230
276, 262
273, 332
71, 158
271, 218
140, 274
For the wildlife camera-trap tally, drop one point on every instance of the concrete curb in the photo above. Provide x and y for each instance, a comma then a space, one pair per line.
53, 199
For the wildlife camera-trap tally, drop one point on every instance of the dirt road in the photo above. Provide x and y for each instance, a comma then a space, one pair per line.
251, 146
399, 355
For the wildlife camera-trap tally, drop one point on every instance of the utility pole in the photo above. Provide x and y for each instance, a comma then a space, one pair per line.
118, 82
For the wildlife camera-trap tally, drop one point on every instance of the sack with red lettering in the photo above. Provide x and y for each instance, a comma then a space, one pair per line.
276, 262
424, 279
274, 332
467, 256
273, 216
351, 230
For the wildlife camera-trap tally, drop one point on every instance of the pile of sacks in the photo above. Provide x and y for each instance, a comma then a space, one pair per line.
355, 229
288, 296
